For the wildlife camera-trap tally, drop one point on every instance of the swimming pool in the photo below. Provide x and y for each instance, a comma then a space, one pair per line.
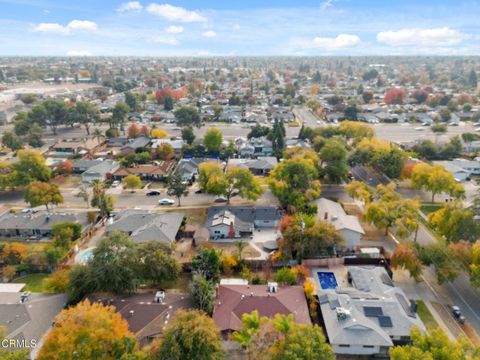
85, 256
327, 280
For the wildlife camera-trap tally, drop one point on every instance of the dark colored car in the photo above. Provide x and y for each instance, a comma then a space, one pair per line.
153, 193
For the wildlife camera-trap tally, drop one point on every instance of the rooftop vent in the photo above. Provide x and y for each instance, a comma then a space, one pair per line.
272, 287
342, 313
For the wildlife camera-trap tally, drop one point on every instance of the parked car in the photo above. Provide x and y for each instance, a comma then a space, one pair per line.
220, 200
166, 202
419, 129
457, 314
199, 191
153, 193
115, 184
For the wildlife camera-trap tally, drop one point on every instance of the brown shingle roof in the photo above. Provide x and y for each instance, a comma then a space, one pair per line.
230, 306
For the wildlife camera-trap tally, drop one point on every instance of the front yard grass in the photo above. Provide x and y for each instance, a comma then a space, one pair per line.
426, 316
428, 208
33, 282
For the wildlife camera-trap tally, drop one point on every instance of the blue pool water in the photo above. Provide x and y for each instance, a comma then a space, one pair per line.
327, 280
86, 256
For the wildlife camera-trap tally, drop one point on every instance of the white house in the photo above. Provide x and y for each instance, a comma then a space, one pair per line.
347, 225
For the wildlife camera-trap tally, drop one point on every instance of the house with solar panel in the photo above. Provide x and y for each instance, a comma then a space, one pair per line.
368, 315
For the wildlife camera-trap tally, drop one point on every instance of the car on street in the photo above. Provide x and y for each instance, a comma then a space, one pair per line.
220, 200
153, 193
199, 191
166, 202
419, 129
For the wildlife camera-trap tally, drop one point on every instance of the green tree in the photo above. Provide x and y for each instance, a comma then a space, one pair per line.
57, 113
35, 136
132, 100
212, 140
40, 193
114, 264
176, 186
472, 79
85, 113
333, 160
157, 262
168, 103
187, 135
435, 179
30, 167
434, 345
132, 182
100, 198
207, 264
203, 293
455, 223
119, 114
286, 276
191, 335
187, 115
12, 141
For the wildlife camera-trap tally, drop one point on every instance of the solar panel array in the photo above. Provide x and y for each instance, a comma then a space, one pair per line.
386, 280
385, 321
372, 311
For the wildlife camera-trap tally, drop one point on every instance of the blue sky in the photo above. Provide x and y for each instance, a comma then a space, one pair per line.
242, 27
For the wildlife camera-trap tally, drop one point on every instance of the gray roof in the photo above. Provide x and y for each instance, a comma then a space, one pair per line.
376, 310
260, 163
31, 319
139, 142
103, 168
335, 215
85, 164
41, 220
226, 217
190, 166
247, 213
143, 226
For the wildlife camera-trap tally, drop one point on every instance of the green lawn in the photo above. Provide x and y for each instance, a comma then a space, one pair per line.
34, 282
428, 208
426, 316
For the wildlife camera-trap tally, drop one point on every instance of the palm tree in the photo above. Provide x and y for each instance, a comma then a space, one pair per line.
241, 245
97, 134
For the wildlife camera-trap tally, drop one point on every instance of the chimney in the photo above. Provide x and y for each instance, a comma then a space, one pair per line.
325, 216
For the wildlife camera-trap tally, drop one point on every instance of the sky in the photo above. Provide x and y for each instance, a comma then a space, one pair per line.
241, 27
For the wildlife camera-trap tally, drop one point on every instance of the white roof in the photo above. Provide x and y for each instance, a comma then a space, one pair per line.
11, 287
333, 212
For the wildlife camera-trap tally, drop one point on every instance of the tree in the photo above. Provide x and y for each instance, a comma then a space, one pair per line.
394, 96
405, 257
157, 262
434, 345
472, 79
203, 294
114, 262
351, 112
278, 138
367, 96
217, 110
12, 141
390, 210
187, 115
420, 95
435, 179
187, 135
56, 113
9, 273
100, 199
119, 113
294, 181
176, 186
191, 335
41, 193
356, 130
30, 167
132, 182
133, 131
359, 190
132, 100
35, 136
64, 168
333, 161
212, 140
286, 276
445, 114
158, 133
455, 223
88, 331
469, 138
165, 151
57, 282
168, 103
84, 113
207, 264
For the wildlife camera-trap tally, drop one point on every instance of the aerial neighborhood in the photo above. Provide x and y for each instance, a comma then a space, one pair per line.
239, 208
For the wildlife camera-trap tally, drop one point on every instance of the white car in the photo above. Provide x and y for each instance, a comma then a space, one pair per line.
166, 202
115, 183
420, 129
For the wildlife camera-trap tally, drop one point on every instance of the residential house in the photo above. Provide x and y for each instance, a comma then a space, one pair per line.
29, 316
188, 168
459, 173
259, 166
134, 144
37, 223
100, 171
146, 313
72, 147
157, 171
144, 226
347, 225
176, 144
80, 166
224, 222
369, 315
232, 301
295, 142
254, 147
472, 166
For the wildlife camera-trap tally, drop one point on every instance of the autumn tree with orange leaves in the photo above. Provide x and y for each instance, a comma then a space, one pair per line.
89, 331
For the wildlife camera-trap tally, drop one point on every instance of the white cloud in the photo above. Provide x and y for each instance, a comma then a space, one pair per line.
421, 37
166, 40
209, 34
82, 25
134, 6
342, 41
51, 28
173, 29
326, 4
175, 13
79, 53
